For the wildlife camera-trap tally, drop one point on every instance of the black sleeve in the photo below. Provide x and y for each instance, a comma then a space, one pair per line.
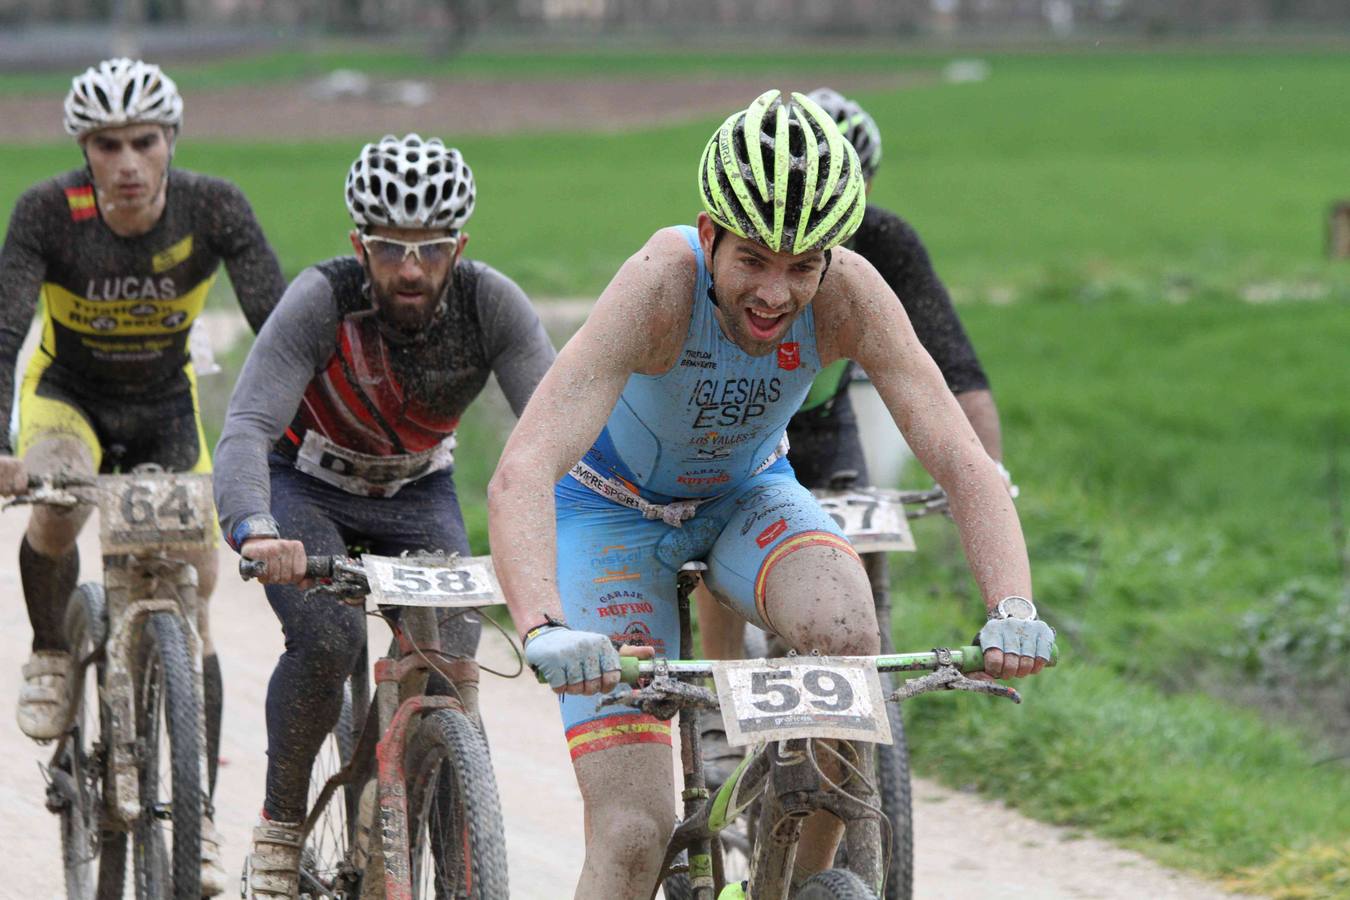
517, 346
894, 249
296, 342
236, 236
22, 268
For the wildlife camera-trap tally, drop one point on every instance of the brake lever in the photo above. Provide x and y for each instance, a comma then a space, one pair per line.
950, 678
663, 698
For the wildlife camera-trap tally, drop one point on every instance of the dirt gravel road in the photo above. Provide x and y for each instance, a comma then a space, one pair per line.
967, 846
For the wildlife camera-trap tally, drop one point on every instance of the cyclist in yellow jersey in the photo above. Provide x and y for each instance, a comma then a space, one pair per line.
123, 253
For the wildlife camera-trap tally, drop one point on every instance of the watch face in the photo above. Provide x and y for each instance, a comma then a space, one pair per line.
1017, 608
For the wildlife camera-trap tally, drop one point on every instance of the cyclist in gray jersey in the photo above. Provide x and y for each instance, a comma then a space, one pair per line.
341, 431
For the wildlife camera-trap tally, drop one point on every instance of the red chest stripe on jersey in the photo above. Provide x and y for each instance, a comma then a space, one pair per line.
357, 401
82, 204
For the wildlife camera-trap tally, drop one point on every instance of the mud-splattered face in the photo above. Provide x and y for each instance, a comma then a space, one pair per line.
408, 286
129, 165
759, 292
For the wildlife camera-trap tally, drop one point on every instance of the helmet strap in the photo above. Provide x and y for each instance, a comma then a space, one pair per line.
718, 233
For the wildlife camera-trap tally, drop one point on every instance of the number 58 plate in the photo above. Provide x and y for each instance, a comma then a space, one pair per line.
463, 581
810, 696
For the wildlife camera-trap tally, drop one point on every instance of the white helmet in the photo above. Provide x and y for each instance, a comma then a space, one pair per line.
120, 92
858, 127
410, 183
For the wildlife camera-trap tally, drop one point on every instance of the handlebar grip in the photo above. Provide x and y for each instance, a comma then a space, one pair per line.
315, 567
319, 567
972, 658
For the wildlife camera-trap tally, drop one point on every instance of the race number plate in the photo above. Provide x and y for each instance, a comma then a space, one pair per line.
463, 581
809, 696
155, 510
872, 523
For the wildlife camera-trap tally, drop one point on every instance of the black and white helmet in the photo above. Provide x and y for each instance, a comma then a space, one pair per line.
410, 183
120, 92
858, 127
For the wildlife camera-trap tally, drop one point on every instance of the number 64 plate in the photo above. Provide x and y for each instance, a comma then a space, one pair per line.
463, 581
809, 696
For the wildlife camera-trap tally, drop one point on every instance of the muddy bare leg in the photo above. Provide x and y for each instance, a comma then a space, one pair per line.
629, 797
819, 598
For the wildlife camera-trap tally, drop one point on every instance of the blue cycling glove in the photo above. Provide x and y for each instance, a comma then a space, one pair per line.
565, 657
1024, 637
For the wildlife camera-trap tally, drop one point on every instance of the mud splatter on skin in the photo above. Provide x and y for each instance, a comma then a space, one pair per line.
56, 237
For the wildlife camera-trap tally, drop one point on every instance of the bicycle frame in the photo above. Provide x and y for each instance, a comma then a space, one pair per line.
400, 682
129, 603
791, 791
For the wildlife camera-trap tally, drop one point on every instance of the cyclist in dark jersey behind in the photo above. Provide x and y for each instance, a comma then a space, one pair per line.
122, 252
341, 429
823, 435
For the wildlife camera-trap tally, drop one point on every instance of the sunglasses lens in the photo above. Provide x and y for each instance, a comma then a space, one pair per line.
435, 253
392, 253
386, 253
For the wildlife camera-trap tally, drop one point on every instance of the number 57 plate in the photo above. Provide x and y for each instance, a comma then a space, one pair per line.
810, 696
460, 581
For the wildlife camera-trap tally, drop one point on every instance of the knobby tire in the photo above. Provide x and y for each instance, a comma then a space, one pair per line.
454, 813
166, 698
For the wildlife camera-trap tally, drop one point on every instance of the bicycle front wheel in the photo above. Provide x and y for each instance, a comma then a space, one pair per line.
834, 884
328, 867
893, 786
166, 839
454, 814
93, 856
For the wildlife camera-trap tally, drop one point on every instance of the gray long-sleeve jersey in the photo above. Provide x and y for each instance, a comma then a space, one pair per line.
316, 367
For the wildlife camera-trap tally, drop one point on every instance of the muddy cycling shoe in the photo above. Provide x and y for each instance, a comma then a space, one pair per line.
214, 879
720, 759
273, 868
44, 695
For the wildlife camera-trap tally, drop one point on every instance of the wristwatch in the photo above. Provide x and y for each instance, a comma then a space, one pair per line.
1014, 607
259, 525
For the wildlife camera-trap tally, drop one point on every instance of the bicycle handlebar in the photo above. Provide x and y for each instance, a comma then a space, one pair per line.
967, 659
315, 566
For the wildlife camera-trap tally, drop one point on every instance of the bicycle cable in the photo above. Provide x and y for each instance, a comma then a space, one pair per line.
885, 822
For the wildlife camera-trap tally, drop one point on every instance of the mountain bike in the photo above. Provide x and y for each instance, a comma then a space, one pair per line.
131, 763
787, 705
404, 802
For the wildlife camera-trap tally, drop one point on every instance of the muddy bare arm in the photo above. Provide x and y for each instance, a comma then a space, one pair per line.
568, 411
860, 321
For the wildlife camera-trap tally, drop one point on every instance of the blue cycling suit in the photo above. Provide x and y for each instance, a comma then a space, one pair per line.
704, 431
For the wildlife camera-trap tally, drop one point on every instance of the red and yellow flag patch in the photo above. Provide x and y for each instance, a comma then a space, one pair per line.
82, 205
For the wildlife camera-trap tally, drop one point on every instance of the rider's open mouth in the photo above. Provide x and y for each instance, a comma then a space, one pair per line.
763, 325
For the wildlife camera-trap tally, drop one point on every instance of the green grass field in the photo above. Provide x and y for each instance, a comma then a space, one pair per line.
1110, 222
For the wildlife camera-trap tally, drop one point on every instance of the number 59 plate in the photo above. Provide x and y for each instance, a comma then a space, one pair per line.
155, 511
810, 696
465, 581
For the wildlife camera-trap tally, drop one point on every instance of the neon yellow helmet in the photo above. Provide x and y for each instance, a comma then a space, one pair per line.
781, 173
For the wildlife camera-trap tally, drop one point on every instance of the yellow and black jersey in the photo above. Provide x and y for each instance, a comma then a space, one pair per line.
117, 310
